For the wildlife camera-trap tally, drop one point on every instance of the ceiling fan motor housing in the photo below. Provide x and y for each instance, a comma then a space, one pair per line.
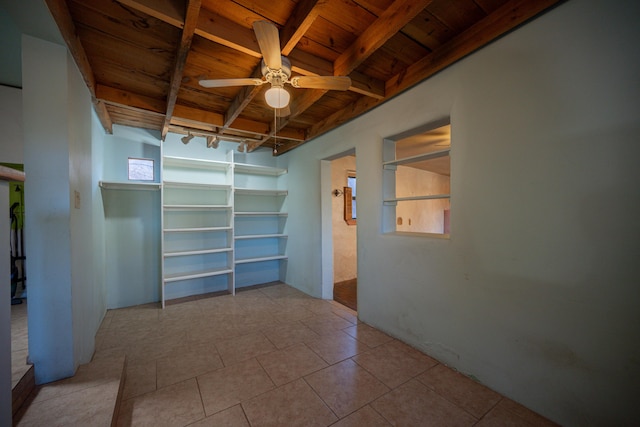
277, 77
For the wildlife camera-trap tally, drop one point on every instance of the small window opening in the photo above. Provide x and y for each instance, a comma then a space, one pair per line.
350, 210
140, 169
416, 181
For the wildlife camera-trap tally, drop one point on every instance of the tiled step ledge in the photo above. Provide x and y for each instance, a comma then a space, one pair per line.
91, 397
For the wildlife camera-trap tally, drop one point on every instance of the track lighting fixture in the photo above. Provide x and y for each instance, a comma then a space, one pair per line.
185, 139
212, 141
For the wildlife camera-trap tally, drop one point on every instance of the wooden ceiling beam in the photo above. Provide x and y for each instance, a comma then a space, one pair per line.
309, 65
502, 20
62, 16
396, 16
123, 98
244, 97
305, 12
220, 30
304, 101
293, 134
186, 116
170, 11
230, 34
338, 118
191, 20
368, 86
298, 106
139, 111
103, 115
210, 25
227, 33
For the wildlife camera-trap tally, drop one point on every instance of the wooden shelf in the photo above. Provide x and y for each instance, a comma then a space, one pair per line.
389, 202
198, 252
261, 214
181, 184
258, 169
257, 192
261, 236
112, 185
392, 164
261, 259
195, 163
197, 274
197, 207
196, 229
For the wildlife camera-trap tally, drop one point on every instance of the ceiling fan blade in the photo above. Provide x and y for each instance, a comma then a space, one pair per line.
231, 82
283, 112
269, 41
322, 82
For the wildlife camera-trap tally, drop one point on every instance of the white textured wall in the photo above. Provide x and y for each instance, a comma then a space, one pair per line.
10, 66
47, 221
11, 138
99, 266
536, 292
66, 301
88, 303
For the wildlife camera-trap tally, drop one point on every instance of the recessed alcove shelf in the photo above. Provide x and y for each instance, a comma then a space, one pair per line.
145, 186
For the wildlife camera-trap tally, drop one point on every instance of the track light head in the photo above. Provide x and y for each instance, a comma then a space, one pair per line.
212, 141
186, 139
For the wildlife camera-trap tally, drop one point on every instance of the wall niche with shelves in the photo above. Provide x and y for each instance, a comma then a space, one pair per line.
223, 221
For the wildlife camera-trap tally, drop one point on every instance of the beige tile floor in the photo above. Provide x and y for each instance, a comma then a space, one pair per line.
88, 398
274, 356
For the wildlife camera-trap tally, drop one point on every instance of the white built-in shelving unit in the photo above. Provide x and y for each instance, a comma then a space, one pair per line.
260, 218
223, 225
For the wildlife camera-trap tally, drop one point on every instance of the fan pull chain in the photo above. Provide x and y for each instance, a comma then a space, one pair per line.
275, 131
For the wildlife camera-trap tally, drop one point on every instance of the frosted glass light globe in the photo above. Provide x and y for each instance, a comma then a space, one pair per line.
277, 97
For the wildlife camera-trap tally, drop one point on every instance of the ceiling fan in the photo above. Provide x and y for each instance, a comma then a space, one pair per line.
276, 70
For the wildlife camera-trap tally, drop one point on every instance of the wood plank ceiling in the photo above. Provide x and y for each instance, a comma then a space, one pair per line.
142, 59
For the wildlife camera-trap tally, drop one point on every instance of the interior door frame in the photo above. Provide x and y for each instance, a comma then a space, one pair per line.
326, 221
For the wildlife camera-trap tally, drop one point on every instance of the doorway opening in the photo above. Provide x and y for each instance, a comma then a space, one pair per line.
21, 371
344, 230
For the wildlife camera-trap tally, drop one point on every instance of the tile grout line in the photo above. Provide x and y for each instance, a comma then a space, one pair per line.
204, 411
490, 409
454, 403
321, 399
